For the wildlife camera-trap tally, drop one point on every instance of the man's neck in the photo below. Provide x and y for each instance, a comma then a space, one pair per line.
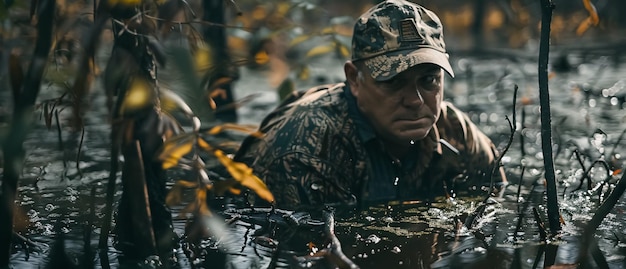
398, 150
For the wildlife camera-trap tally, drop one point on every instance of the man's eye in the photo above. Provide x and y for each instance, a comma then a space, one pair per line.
430, 80
391, 84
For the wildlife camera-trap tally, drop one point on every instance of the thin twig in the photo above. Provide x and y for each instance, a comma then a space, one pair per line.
497, 164
521, 181
588, 170
80, 147
540, 226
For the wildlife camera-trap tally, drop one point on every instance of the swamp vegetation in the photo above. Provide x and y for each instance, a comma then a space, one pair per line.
117, 118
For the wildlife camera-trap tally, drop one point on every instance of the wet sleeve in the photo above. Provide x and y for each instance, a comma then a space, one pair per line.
304, 161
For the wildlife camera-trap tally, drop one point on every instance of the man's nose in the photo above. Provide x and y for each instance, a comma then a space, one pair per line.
414, 96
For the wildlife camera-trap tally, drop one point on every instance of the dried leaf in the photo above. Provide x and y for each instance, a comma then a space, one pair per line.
320, 50
592, 20
235, 191
298, 40
231, 126
342, 50
175, 148
203, 209
328, 30
583, 26
593, 13
261, 57
218, 92
126, 3
243, 174
204, 145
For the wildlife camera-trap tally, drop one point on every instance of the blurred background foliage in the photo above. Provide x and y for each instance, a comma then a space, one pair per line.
283, 35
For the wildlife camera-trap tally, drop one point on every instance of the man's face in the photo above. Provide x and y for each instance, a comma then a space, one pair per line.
403, 108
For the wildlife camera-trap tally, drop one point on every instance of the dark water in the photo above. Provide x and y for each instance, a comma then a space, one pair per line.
55, 199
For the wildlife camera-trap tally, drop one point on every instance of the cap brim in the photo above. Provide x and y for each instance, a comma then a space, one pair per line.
385, 67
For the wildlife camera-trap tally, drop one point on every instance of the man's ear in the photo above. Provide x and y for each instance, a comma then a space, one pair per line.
352, 74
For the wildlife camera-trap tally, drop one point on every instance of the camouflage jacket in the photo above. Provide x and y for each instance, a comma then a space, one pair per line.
318, 149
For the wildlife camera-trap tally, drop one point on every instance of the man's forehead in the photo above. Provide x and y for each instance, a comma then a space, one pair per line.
421, 68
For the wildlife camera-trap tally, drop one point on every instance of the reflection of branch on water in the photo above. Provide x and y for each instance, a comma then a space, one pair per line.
597, 218
335, 255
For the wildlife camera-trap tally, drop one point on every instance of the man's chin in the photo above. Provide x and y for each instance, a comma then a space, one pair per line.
413, 136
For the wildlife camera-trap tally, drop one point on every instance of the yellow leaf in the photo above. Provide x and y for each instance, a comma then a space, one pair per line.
343, 50
592, 20
243, 174
217, 92
128, 3
203, 209
175, 148
298, 40
261, 57
583, 26
328, 30
235, 191
139, 95
320, 50
259, 13
283, 9
186, 184
231, 126
593, 13
204, 145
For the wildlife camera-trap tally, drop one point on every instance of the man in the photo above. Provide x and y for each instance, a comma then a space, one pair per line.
385, 134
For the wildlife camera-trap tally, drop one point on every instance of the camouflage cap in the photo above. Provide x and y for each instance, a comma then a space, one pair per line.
395, 35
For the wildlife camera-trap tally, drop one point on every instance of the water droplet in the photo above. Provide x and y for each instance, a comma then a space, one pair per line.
372, 238
316, 187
